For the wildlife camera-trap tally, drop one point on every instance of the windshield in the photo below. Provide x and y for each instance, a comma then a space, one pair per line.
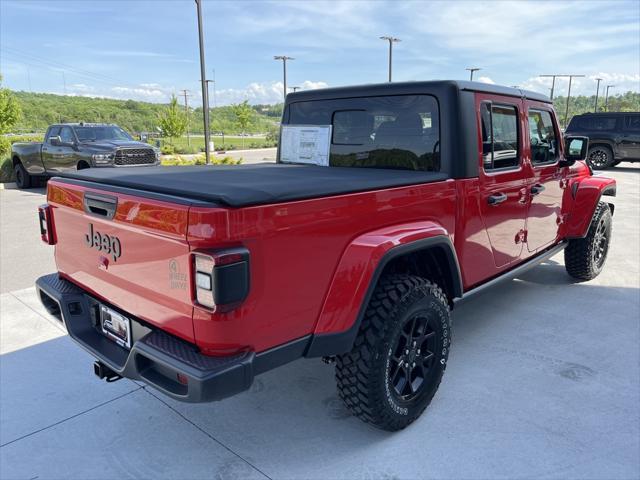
101, 133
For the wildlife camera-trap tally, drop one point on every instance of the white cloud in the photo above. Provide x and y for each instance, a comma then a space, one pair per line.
255, 93
486, 80
262, 92
623, 82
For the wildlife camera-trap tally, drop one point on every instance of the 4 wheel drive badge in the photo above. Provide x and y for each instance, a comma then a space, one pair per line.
103, 242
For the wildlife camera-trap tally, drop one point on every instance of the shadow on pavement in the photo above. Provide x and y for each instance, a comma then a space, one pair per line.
535, 386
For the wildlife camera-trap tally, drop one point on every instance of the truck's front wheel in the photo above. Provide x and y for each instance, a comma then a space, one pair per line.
23, 179
399, 355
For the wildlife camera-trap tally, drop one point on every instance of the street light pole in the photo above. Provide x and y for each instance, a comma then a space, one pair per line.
205, 89
391, 41
606, 98
471, 70
595, 108
284, 59
566, 110
553, 83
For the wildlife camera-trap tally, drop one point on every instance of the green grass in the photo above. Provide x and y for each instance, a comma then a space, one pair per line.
230, 143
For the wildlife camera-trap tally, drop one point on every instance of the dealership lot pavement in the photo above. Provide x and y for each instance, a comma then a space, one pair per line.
543, 381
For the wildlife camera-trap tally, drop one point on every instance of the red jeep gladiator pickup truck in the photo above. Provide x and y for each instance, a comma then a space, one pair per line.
388, 203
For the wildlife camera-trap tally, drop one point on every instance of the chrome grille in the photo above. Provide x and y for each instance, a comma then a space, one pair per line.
135, 156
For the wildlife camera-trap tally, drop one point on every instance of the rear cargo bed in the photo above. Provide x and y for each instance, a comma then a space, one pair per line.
245, 185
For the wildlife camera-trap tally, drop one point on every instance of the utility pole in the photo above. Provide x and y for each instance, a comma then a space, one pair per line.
471, 70
284, 59
186, 95
391, 41
214, 88
205, 86
566, 110
606, 98
553, 82
595, 108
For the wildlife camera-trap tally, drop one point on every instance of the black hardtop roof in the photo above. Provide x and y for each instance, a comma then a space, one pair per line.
84, 124
404, 88
604, 114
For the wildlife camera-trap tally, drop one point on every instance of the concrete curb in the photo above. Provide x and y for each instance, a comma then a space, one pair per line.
8, 186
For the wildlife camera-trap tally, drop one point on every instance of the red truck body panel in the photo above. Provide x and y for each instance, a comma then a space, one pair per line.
140, 281
312, 261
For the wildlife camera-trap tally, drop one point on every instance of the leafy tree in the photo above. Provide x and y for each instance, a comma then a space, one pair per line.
243, 114
173, 121
9, 109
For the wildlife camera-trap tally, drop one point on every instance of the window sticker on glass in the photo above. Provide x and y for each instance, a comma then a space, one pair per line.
308, 144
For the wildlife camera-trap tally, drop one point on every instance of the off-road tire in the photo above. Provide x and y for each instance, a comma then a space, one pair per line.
23, 179
363, 375
584, 258
600, 157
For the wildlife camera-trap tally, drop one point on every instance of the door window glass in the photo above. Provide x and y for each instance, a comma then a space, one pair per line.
499, 137
632, 122
597, 122
542, 137
54, 132
66, 135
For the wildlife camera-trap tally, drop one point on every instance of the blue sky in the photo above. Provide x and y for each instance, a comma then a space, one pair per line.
147, 50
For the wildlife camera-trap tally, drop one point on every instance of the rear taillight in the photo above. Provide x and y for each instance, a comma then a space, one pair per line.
46, 224
221, 278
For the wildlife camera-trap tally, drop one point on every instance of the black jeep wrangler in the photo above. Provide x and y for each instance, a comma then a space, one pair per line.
613, 137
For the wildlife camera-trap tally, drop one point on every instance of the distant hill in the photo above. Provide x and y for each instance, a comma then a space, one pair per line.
42, 109
39, 110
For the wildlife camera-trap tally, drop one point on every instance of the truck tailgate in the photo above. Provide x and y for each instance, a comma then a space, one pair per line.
129, 250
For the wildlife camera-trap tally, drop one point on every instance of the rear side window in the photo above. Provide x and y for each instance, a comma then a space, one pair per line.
597, 123
398, 132
499, 136
542, 137
632, 122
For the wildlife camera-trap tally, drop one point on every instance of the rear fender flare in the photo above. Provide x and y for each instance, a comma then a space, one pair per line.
357, 274
586, 193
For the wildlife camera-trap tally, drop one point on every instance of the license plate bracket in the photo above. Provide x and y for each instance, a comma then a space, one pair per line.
115, 326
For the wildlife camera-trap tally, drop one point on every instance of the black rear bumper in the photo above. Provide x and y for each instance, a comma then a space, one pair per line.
172, 366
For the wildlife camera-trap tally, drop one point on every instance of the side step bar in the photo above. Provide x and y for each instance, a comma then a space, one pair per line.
515, 272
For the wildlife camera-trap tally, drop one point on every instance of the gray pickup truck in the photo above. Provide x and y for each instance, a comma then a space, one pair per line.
75, 146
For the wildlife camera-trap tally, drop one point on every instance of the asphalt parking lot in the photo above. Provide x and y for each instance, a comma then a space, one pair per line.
543, 381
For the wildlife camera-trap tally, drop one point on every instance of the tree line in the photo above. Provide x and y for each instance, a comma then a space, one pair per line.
39, 110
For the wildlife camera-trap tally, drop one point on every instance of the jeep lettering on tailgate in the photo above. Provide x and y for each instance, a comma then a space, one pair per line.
103, 242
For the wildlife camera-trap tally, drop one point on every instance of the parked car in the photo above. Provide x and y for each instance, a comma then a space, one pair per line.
613, 137
388, 204
76, 146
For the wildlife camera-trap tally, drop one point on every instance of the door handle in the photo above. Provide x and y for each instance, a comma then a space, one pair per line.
496, 199
536, 189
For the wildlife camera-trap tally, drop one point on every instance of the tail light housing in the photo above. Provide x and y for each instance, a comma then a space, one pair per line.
221, 278
45, 221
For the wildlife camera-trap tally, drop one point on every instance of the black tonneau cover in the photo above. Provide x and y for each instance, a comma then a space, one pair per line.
245, 185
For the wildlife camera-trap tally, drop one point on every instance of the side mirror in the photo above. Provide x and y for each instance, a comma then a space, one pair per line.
55, 141
575, 148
